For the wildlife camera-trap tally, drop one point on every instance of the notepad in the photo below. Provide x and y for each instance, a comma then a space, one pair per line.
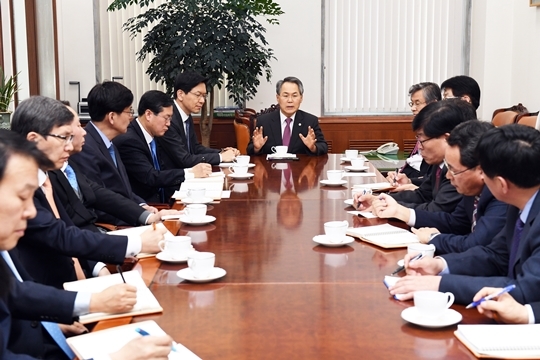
138, 230
213, 186
107, 341
146, 301
390, 281
501, 341
386, 236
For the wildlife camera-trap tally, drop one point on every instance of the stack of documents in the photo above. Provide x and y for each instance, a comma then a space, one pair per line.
212, 184
386, 236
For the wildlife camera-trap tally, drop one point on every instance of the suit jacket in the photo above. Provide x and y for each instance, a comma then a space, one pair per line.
94, 196
271, 124
536, 311
48, 245
96, 163
428, 196
455, 227
145, 179
174, 149
488, 265
30, 303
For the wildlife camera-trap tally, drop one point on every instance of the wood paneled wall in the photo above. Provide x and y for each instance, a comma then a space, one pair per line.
341, 133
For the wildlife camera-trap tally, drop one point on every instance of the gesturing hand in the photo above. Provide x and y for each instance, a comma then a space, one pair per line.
258, 139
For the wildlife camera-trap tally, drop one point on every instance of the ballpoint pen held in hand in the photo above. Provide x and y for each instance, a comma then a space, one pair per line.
414, 258
492, 296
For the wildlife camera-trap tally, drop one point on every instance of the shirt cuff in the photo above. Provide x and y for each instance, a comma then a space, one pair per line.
134, 245
445, 270
188, 174
412, 218
220, 159
531, 314
143, 219
82, 303
97, 269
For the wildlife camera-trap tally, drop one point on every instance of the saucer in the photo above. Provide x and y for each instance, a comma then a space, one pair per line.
203, 200
281, 156
187, 274
229, 164
449, 317
241, 176
333, 183
361, 168
171, 217
201, 221
325, 240
164, 257
349, 202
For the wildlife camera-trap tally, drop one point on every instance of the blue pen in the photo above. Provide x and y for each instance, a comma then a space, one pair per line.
489, 297
145, 333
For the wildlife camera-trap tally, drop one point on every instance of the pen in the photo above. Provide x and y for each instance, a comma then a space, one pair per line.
489, 297
395, 176
119, 269
414, 258
145, 333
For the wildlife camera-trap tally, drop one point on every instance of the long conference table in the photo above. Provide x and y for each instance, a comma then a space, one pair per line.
285, 297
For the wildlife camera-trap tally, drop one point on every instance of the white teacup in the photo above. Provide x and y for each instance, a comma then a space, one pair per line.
336, 229
432, 303
196, 194
239, 169
177, 247
334, 175
280, 149
242, 160
351, 154
201, 263
195, 211
357, 163
428, 249
239, 188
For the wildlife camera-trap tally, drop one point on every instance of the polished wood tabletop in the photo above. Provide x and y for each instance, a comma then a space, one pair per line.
285, 297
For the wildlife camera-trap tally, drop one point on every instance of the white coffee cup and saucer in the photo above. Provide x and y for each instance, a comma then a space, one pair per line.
195, 214
432, 309
175, 249
357, 164
334, 178
335, 234
196, 196
201, 268
240, 172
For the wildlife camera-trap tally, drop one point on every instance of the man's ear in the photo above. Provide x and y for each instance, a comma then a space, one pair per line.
467, 98
33, 136
180, 94
446, 135
504, 185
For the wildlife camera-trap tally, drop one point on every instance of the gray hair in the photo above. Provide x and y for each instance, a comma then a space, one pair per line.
290, 79
431, 91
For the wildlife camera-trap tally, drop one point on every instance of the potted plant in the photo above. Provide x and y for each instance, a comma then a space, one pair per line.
8, 88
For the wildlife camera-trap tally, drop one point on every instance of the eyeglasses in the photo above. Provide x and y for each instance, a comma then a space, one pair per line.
166, 118
411, 104
200, 95
68, 139
290, 96
131, 112
453, 172
421, 142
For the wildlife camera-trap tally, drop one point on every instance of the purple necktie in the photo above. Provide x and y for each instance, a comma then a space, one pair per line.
287, 132
437, 178
515, 245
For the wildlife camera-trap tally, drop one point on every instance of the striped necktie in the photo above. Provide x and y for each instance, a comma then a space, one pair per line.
155, 160
475, 210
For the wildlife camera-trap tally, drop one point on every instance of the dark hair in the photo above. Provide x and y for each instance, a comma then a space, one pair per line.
290, 79
464, 85
438, 118
155, 101
188, 80
431, 91
465, 136
109, 96
40, 114
511, 152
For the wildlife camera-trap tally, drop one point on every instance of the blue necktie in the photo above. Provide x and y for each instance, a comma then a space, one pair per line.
113, 154
188, 132
52, 328
156, 166
515, 245
72, 178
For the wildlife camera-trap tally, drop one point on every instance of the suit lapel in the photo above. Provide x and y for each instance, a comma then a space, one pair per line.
276, 129
533, 213
297, 127
101, 145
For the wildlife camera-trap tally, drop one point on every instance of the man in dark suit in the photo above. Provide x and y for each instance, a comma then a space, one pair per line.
109, 105
80, 196
181, 149
477, 218
505, 155
149, 177
50, 241
289, 126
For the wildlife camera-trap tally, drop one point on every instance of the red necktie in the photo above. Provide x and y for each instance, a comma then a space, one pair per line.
287, 132
438, 178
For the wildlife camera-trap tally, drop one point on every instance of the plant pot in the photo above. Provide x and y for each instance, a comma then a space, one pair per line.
5, 120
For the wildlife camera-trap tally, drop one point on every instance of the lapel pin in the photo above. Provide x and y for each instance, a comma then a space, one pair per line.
299, 124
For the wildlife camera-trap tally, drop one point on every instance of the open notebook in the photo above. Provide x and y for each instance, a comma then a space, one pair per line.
138, 230
111, 340
146, 301
386, 236
501, 341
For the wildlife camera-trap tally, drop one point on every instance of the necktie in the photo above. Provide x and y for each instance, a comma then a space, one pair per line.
113, 154
188, 132
475, 210
52, 328
438, 178
72, 178
518, 229
156, 166
287, 132
287, 173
